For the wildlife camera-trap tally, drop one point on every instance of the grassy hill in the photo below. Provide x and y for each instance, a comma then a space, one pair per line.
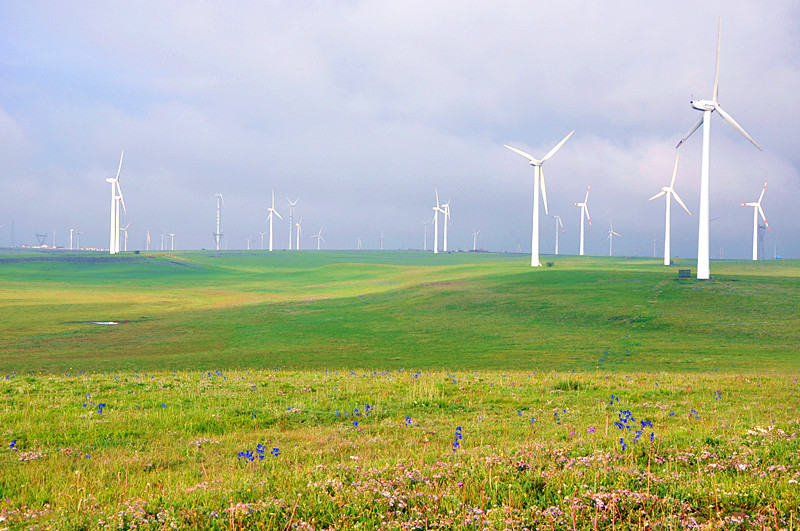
387, 310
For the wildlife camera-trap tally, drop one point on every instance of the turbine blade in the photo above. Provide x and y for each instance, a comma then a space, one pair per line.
678, 199
659, 194
518, 152
586, 209
674, 172
716, 71
587, 194
728, 118
761, 211
276, 213
121, 199
544, 190
762, 192
558, 146
437, 197
692, 130
120, 163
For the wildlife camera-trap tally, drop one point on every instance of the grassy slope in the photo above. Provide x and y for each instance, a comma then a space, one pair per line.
390, 310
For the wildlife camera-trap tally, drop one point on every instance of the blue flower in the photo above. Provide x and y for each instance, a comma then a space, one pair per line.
275, 452
13, 444
355, 423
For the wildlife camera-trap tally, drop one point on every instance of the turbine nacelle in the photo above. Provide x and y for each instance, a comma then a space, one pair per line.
703, 105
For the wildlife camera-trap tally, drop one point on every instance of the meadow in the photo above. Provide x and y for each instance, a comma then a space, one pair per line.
395, 391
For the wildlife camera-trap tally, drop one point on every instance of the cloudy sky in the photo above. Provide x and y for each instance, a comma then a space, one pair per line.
361, 109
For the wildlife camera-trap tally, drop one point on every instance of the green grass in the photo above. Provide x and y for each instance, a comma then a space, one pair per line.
390, 310
215, 356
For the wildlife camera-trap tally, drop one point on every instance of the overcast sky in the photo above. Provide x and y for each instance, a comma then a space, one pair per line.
361, 109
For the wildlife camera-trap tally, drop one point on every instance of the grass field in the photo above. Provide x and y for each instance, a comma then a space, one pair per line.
396, 391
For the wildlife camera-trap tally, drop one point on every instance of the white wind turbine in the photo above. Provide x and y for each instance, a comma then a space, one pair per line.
358, 243
446, 213
261, 245
297, 225
558, 224
116, 198
217, 235
291, 220
436, 211
381, 240
125, 230
707, 107
272, 211
319, 237
584, 213
756, 211
475, 239
669, 192
538, 180
148, 240
425, 223
611, 235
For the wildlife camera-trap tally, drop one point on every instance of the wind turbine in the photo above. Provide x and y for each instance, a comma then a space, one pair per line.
558, 223
249, 237
116, 198
298, 231
272, 211
381, 240
475, 239
171, 241
425, 223
148, 240
358, 244
584, 212
218, 234
445, 222
611, 235
71, 231
707, 107
291, 221
319, 237
756, 211
262, 234
538, 179
436, 211
125, 230
669, 192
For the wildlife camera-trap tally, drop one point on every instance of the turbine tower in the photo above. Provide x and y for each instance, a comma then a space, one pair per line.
272, 211
381, 240
217, 235
611, 235
756, 211
584, 213
669, 192
425, 244
116, 198
558, 224
125, 230
436, 211
538, 180
319, 237
475, 239
147, 241
298, 231
445, 222
262, 234
291, 221
707, 107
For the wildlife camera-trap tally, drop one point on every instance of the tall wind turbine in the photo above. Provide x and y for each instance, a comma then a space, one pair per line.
381, 240
71, 232
475, 239
445, 222
558, 224
584, 213
669, 192
297, 247
291, 221
116, 198
436, 211
756, 211
538, 179
125, 230
611, 235
218, 234
272, 211
171, 241
358, 243
147, 244
261, 245
707, 107
425, 244
319, 237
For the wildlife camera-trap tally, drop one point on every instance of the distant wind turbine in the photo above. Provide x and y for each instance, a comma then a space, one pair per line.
358, 244
297, 225
475, 239
756, 211
445, 222
558, 224
707, 107
381, 240
147, 241
538, 180
262, 234
291, 221
425, 244
217, 235
125, 230
436, 210
584, 213
116, 199
319, 237
611, 235
171, 241
272, 211
669, 192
